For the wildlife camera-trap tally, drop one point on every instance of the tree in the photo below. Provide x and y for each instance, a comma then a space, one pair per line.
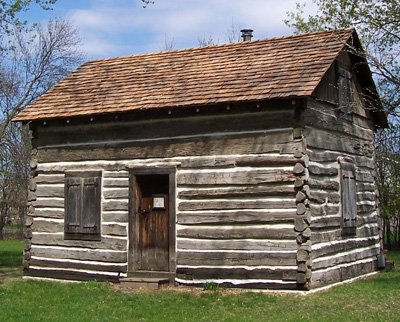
378, 24
232, 35
207, 41
168, 44
9, 10
388, 179
35, 60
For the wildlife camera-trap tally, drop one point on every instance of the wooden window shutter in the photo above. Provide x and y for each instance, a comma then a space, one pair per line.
83, 205
348, 197
91, 203
73, 203
346, 96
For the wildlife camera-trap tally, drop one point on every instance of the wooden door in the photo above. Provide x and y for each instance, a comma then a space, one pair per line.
152, 222
153, 236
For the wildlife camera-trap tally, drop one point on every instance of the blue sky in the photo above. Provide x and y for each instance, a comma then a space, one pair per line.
111, 28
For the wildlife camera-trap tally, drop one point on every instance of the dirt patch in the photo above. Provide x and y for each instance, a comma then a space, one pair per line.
195, 291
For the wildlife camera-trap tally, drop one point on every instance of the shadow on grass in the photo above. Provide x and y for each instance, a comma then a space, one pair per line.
387, 280
10, 253
10, 259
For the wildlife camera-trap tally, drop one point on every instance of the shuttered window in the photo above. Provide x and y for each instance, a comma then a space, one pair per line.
346, 96
348, 197
82, 205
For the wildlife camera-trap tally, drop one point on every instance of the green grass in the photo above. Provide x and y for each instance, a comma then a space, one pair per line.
13, 226
372, 299
10, 259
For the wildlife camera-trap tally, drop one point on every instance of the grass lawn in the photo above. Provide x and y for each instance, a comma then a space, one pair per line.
372, 299
10, 259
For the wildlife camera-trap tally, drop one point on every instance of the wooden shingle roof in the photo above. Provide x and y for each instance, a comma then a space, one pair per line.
286, 67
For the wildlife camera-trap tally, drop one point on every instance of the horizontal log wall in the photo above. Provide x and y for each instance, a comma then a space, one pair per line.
50, 254
235, 222
236, 202
335, 257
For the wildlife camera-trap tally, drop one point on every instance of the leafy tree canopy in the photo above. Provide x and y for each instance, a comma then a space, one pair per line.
378, 25
10, 8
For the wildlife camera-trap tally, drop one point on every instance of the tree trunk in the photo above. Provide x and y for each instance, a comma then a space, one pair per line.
2, 223
398, 232
387, 223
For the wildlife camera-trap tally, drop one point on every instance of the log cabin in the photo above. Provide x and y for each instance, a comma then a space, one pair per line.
249, 165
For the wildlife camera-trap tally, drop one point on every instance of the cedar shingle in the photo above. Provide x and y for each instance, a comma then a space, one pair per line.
246, 71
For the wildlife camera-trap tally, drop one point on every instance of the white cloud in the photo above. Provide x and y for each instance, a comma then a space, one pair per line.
112, 28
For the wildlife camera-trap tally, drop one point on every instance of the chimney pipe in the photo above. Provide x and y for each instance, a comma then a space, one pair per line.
247, 34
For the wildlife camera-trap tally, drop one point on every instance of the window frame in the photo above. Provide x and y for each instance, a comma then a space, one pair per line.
76, 214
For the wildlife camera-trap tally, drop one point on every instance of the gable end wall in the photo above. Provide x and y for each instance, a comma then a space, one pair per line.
336, 257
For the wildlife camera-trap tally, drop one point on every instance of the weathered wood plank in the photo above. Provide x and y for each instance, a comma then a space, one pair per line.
365, 187
365, 208
115, 217
323, 171
78, 265
322, 278
229, 244
116, 205
368, 219
242, 191
116, 182
323, 210
116, 193
166, 128
326, 236
43, 226
363, 176
331, 235
252, 160
329, 141
279, 160
237, 177
84, 254
243, 144
50, 179
114, 230
321, 155
107, 243
284, 285
49, 203
236, 204
342, 246
117, 169
366, 196
235, 258
234, 273
320, 120
69, 275
116, 174
50, 191
323, 197
245, 232
345, 258
324, 184
49, 213
228, 217
326, 222
368, 231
